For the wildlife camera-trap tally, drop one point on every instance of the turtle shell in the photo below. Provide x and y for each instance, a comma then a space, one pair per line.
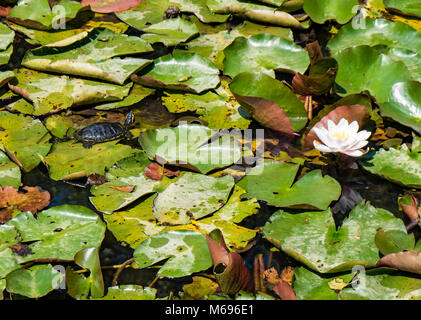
101, 131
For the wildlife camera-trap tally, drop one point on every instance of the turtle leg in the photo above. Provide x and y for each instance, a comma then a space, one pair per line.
87, 144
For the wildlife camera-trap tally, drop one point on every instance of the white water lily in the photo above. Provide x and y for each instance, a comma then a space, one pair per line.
342, 137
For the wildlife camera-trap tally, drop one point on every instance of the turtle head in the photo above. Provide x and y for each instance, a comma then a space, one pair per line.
129, 119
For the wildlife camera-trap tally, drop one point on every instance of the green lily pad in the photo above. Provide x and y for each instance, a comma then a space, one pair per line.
313, 239
57, 233
152, 11
70, 160
137, 94
5, 77
268, 101
192, 196
24, 139
6, 36
322, 10
130, 172
38, 13
129, 292
96, 56
50, 93
138, 223
264, 53
376, 32
2, 287
185, 71
5, 55
364, 68
401, 166
274, 182
219, 110
187, 252
394, 241
9, 172
34, 282
404, 105
170, 32
187, 146
405, 6
411, 59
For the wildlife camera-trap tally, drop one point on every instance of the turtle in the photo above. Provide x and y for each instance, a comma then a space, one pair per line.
104, 131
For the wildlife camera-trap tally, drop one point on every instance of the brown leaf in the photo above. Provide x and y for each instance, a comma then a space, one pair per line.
154, 171
284, 291
314, 51
127, 189
21, 249
352, 113
108, 6
287, 274
4, 11
96, 179
5, 215
229, 269
411, 210
267, 113
409, 261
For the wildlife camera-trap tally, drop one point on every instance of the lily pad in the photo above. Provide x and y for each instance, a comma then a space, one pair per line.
404, 6
94, 56
322, 10
137, 94
138, 223
192, 196
313, 239
57, 233
130, 172
170, 32
402, 166
24, 139
273, 182
364, 68
129, 292
187, 146
70, 160
219, 110
5, 77
9, 172
34, 282
185, 71
187, 252
264, 53
269, 101
50, 93
404, 105
6, 36
38, 13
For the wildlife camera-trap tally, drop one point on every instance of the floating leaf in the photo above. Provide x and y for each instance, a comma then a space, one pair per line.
312, 237
186, 146
406, 6
170, 32
185, 71
394, 241
200, 288
23, 139
269, 101
404, 105
402, 166
322, 10
6, 36
264, 53
107, 6
88, 57
363, 68
192, 196
273, 182
5, 77
9, 172
70, 160
129, 292
187, 252
34, 282
409, 261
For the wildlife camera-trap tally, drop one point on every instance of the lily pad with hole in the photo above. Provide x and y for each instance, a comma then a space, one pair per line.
404, 105
273, 182
70, 160
322, 10
50, 94
187, 252
185, 71
126, 183
364, 68
34, 282
264, 53
95, 56
24, 139
191, 197
313, 239
190, 146
402, 166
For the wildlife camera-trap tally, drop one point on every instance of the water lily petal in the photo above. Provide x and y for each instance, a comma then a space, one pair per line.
353, 153
322, 134
321, 147
358, 145
353, 127
331, 125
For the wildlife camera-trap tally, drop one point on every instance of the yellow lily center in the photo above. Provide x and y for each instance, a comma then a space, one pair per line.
340, 135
